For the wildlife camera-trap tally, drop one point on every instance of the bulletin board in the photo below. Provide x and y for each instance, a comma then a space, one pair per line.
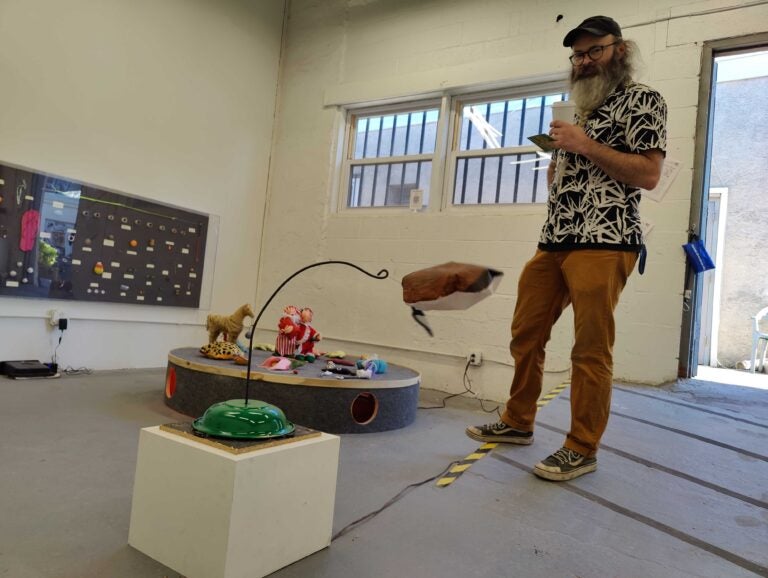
61, 239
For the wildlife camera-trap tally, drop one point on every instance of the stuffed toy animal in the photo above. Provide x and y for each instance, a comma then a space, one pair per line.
367, 368
287, 328
331, 367
228, 326
222, 350
242, 343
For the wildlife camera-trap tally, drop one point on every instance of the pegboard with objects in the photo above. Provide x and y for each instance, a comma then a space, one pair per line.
61, 239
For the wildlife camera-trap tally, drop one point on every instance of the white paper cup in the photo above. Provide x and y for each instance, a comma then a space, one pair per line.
564, 110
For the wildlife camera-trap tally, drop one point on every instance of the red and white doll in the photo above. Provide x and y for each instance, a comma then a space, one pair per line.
287, 328
306, 337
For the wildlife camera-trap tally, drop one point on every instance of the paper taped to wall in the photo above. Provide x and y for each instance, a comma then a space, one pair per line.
668, 173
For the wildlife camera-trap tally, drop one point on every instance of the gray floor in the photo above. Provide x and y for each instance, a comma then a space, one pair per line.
681, 489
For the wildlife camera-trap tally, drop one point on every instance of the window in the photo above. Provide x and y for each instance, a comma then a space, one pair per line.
493, 160
392, 151
391, 154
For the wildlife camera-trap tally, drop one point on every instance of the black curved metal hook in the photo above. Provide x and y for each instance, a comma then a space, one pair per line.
383, 274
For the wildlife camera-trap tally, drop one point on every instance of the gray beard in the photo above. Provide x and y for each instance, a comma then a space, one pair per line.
589, 93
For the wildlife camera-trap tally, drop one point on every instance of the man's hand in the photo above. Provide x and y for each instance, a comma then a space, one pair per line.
641, 169
569, 137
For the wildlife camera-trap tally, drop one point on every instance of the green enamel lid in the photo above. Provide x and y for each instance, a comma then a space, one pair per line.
238, 420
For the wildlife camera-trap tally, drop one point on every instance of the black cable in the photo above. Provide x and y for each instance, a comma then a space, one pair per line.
56, 349
402, 493
417, 315
79, 371
467, 383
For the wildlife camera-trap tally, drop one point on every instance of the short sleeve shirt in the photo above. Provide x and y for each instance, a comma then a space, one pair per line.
587, 209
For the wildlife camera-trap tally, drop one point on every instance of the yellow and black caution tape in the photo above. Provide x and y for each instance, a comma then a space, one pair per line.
485, 449
464, 464
557, 390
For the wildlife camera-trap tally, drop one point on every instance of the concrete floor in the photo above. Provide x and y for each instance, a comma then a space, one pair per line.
681, 488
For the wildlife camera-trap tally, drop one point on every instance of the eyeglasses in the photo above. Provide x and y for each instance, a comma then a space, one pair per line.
594, 53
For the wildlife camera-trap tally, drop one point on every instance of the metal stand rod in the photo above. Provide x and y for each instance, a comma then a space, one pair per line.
383, 274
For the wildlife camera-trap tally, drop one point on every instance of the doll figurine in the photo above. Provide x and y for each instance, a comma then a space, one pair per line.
306, 337
287, 328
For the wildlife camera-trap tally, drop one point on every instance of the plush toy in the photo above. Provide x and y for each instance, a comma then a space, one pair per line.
222, 350
331, 367
306, 337
242, 343
336, 354
228, 326
281, 363
367, 368
287, 328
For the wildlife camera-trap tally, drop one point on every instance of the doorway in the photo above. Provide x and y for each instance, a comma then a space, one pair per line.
730, 215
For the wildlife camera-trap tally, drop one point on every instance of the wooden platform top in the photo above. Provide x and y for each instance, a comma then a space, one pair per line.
234, 446
306, 375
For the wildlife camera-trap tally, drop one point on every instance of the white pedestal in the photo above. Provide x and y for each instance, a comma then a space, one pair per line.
208, 513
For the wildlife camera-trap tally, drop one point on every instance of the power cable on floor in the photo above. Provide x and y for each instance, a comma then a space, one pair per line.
400, 495
79, 371
467, 383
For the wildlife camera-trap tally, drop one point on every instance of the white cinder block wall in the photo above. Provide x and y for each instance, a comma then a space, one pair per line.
173, 101
349, 51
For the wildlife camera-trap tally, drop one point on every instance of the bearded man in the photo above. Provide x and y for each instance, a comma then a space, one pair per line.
588, 245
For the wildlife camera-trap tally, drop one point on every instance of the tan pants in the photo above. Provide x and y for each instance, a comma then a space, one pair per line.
590, 280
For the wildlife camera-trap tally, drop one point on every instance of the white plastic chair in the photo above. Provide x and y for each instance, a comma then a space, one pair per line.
758, 335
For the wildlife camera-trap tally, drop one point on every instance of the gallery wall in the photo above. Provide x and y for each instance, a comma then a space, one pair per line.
171, 101
176, 101
343, 52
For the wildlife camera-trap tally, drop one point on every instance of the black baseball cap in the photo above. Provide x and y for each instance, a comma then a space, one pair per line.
595, 25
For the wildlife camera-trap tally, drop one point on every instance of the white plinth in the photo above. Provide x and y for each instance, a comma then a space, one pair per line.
207, 513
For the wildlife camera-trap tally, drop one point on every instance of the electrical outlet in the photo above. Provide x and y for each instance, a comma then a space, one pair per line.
53, 317
475, 357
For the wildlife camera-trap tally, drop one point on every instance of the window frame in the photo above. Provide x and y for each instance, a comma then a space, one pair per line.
454, 153
446, 152
347, 160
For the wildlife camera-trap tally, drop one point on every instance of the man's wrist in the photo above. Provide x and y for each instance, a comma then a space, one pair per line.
589, 148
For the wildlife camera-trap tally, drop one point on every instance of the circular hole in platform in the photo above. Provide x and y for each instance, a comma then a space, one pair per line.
170, 382
364, 408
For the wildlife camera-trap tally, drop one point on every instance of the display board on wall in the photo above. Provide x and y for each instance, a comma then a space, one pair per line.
61, 239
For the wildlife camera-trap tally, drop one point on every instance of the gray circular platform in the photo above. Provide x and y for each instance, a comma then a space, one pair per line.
387, 401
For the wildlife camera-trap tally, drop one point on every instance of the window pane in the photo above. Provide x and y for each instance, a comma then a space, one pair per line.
505, 123
500, 180
388, 184
404, 133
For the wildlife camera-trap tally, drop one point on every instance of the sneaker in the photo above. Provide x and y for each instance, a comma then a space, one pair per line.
564, 464
499, 432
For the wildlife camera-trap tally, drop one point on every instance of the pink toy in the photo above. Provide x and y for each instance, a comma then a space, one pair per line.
276, 363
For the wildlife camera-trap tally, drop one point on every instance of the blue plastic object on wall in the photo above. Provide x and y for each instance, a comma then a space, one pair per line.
698, 256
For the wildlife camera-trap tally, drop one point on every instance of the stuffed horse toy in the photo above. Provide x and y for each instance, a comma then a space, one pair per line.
227, 326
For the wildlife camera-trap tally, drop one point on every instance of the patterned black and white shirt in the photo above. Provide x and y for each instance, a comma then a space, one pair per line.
587, 209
